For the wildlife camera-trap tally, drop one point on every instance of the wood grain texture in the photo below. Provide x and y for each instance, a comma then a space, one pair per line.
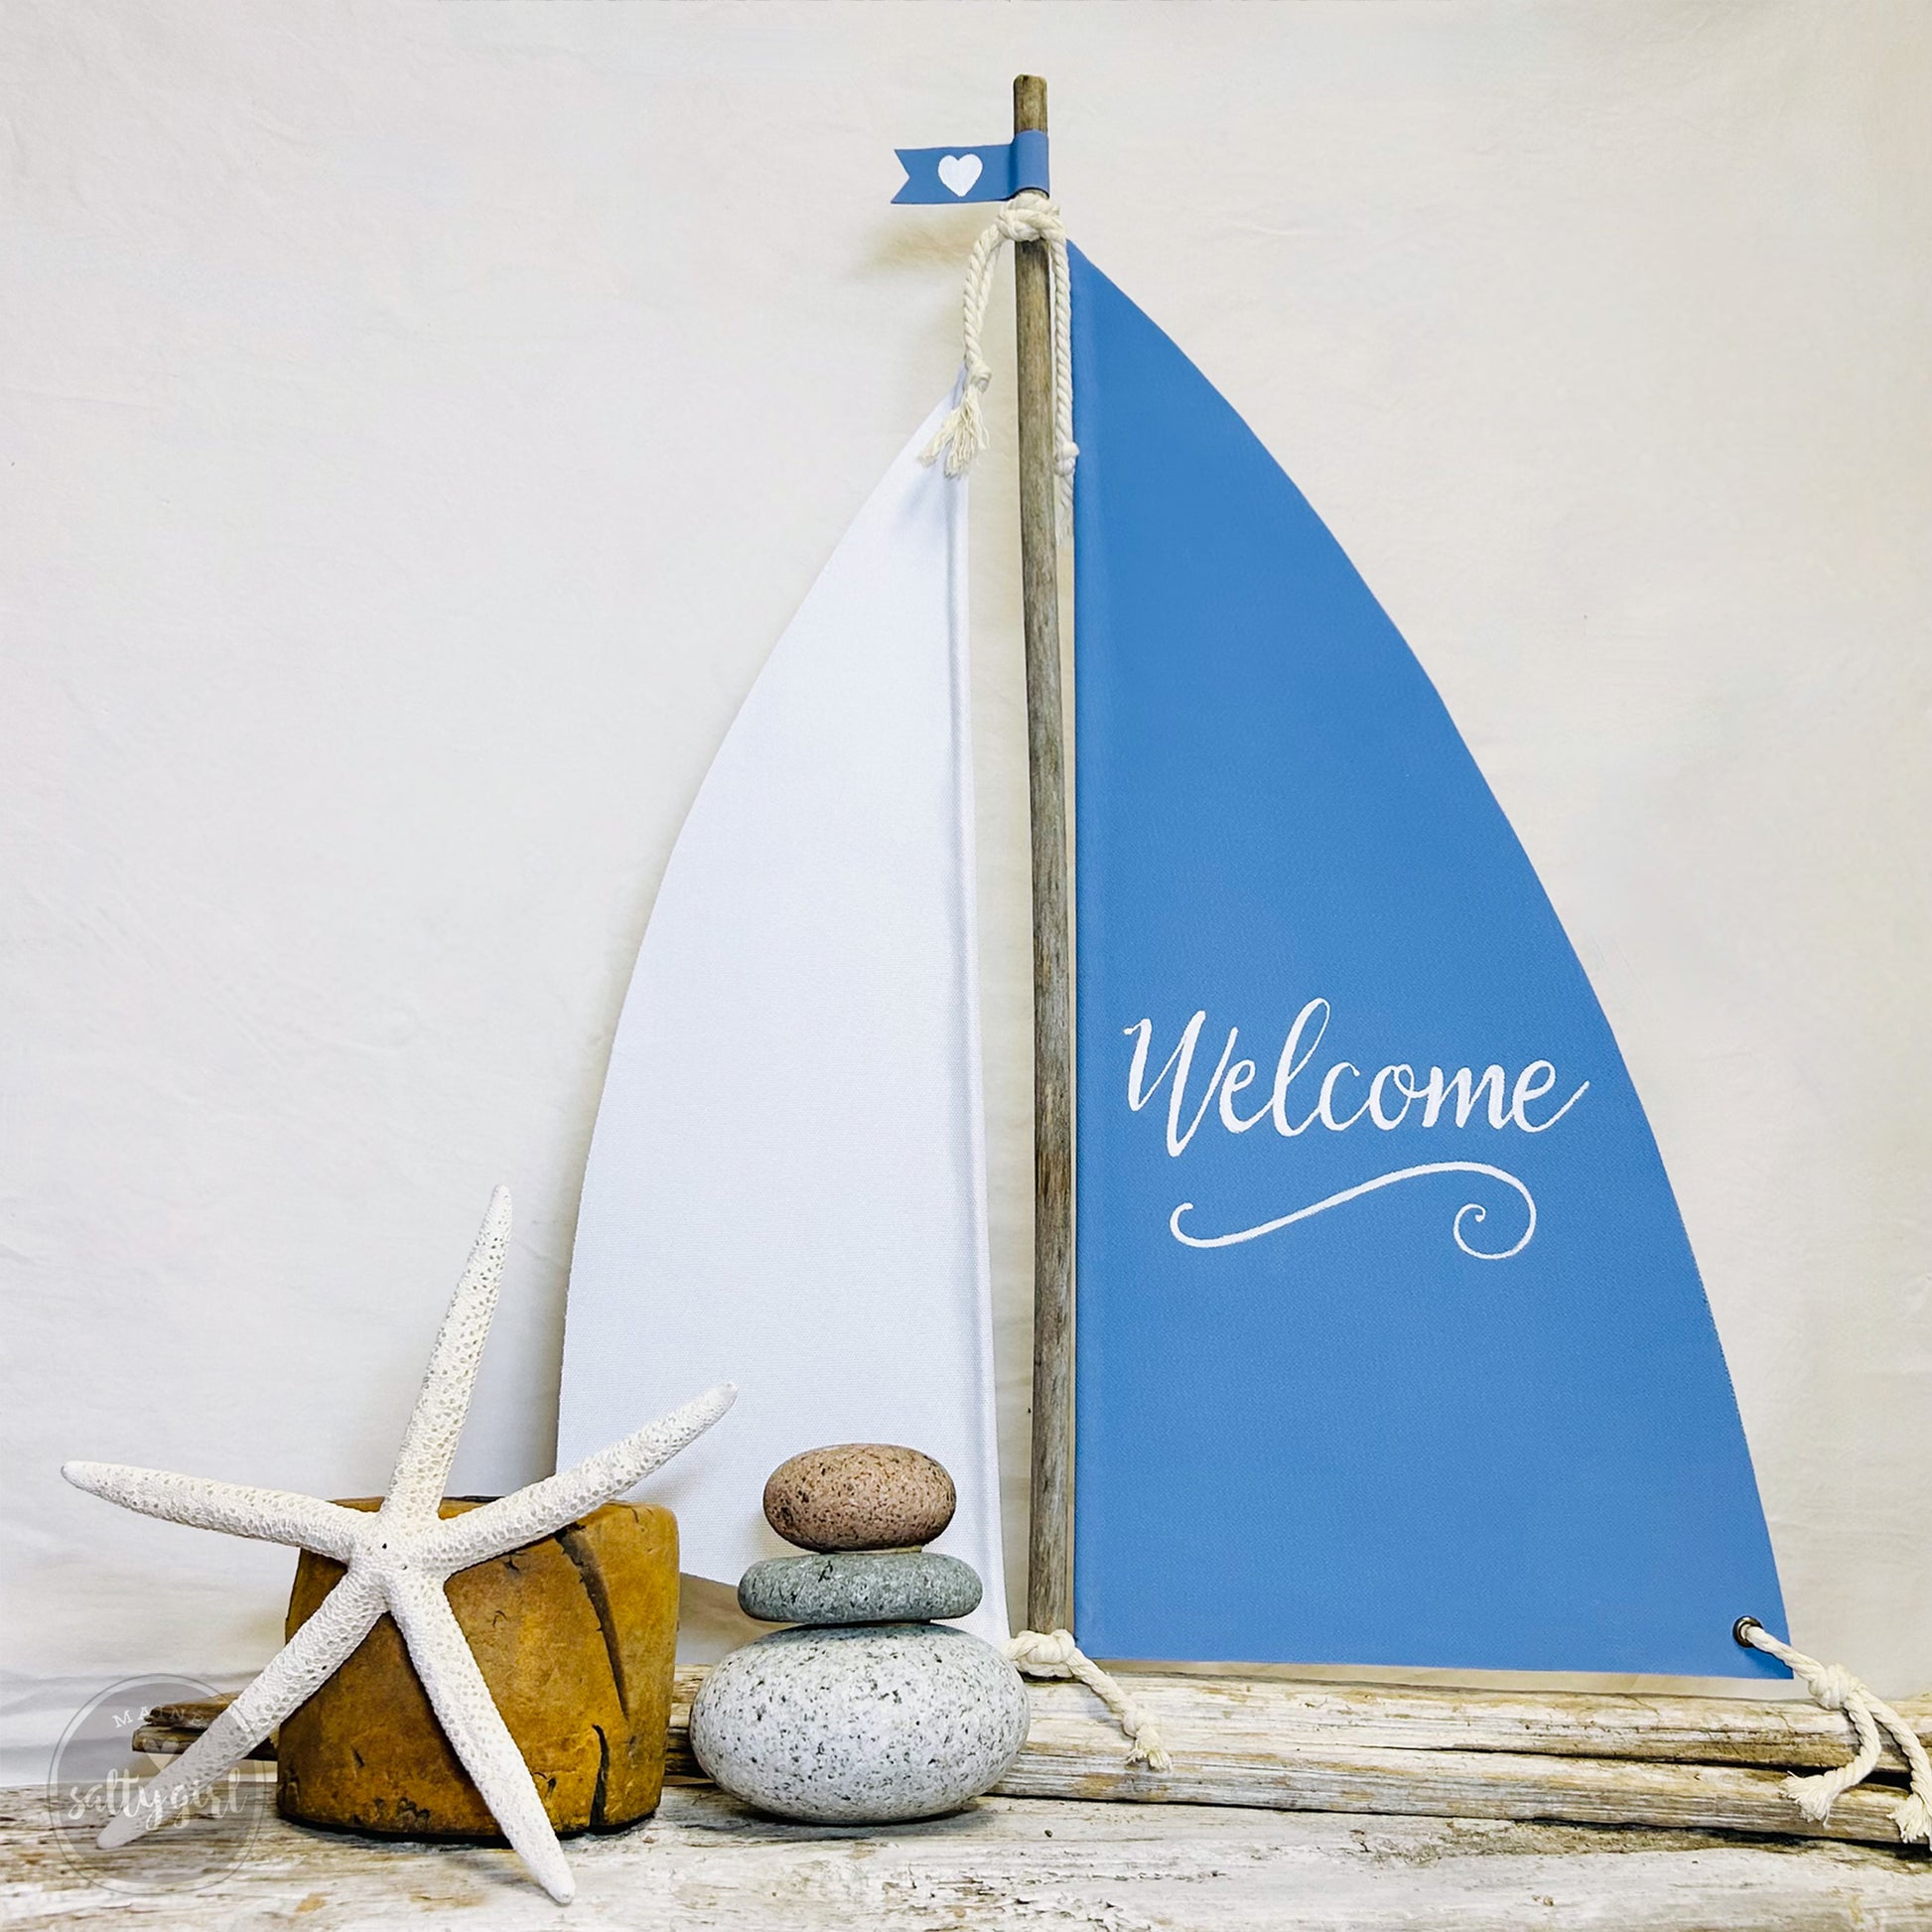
1279, 1714
704, 1861
1667, 1762
1049, 1550
1449, 1784
1281, 1747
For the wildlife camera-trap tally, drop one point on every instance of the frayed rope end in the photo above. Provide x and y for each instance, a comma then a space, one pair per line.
1913, 1817
1815, 1796
961, 437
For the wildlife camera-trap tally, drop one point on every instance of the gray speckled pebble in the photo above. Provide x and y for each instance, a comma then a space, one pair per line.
869, 1725
859, 1587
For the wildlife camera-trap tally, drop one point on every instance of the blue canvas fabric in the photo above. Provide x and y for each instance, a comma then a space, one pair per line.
1472, 1413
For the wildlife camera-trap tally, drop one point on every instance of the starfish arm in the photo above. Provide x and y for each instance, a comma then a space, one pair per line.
475, 1727
530, 1514
293, 1675
429, 1447
234, 1508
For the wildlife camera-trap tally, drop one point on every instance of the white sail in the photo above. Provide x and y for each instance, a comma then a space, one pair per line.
786, 1185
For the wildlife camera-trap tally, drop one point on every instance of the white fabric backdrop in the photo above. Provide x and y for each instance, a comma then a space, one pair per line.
421, 420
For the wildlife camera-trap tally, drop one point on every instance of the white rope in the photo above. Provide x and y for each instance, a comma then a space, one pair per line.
1833, 1686
962, 436
1056, 1654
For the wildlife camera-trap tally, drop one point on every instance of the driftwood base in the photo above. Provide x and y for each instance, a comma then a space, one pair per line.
1682, 1763
575, 1636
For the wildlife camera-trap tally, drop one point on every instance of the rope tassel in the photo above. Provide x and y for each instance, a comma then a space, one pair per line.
1054, 1653
1833, 1687
962, 436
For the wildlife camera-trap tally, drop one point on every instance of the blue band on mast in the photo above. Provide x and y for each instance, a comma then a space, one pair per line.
987, 174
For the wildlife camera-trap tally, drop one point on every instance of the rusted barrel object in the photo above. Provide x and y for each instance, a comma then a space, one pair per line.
575, 1638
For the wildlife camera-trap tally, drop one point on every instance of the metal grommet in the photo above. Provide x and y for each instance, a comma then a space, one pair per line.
1738, 1628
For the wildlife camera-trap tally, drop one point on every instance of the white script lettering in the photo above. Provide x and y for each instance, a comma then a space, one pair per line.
1390, 1097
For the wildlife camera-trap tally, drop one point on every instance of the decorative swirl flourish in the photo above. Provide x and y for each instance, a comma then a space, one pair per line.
1470, 1209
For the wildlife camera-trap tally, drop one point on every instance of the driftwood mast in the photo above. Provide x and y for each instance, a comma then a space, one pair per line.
1049, 1566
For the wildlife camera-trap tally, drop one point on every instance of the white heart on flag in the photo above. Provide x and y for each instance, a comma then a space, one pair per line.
958, 171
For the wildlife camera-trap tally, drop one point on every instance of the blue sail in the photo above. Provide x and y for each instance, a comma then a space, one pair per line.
1391, 1347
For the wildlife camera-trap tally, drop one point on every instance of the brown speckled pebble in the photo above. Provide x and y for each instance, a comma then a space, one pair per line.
859, 1496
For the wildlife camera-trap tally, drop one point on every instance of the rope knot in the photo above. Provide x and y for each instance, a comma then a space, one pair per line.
1833, 1687
1054, 1653
1030, 217
1041, 1650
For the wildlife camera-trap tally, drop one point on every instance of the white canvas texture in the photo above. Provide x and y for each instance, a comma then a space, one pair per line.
786, 1186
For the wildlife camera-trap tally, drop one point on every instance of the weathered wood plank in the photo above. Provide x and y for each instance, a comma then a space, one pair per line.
170, 1740
1288, 1714
1226, 1714
705, 1863
1678, 1763
1274, 1714
1256, 1752
1074, 1760
1248, 1744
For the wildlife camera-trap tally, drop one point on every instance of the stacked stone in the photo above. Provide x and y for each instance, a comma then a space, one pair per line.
866, 1710
867, 1509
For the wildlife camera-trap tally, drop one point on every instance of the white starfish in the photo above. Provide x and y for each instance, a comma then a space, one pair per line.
398, 1558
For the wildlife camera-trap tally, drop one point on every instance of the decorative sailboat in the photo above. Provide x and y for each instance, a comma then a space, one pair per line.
1391, 1346
1392, 1350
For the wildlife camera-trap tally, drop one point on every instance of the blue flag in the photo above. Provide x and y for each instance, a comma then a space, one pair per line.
994, 174
1391, 1346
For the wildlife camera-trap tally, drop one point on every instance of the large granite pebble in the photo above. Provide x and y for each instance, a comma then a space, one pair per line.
859, 1587
859, 1496
859, 1725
